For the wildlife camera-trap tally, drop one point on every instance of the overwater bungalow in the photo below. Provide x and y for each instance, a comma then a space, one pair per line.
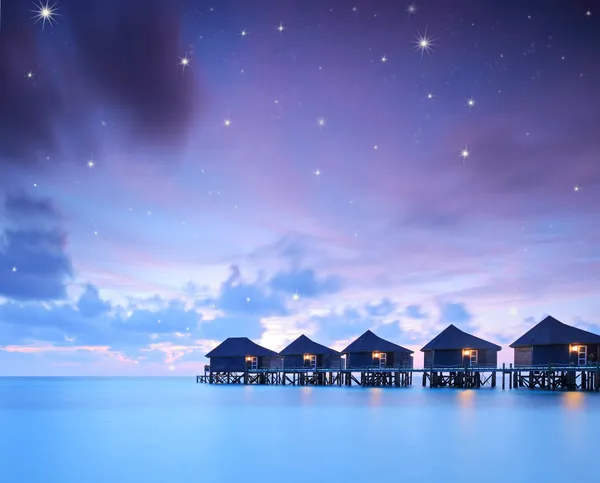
370, 351
452, 347
304, 353
552, 342
239, 354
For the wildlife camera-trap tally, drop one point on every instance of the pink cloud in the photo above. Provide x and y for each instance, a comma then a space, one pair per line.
44, 348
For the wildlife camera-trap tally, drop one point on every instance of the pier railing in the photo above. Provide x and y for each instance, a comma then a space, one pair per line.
550, 377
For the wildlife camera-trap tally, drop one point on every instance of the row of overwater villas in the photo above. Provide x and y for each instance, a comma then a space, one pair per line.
550, 342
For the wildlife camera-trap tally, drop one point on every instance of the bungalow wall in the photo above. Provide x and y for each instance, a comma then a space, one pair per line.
228, 364
239, 363
488, 358
325, 361
271, 362
543, 355
454, 358
551, 354
405, 359
446, 358
365, 360
523, 356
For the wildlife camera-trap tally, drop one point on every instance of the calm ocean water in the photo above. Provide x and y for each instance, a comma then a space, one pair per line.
166, 430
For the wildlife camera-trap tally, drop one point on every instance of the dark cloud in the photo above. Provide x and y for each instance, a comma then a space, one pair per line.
340, 326
173, 318
42, 267
238, 298
305, 283
21, 207
454, 313
414, 312
33, 262
29, 110
141, 90
143, 80
385, 307
392, 332
92, 321
90, 304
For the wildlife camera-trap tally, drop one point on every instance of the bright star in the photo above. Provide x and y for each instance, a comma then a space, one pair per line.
29, 75
90, 164
383, 59
281, 28
227, 122
318, 172
471, 103
243, 33
376, 147
588, 13
465, 153
411, 9
184, 62
247, 299
14, 269
576, 187
45, 13
430, 96
424, 43
321, 122
296, 296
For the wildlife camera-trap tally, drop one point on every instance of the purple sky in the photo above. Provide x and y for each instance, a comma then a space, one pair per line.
307, 179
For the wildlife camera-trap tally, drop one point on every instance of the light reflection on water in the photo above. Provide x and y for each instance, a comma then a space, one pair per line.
574, 400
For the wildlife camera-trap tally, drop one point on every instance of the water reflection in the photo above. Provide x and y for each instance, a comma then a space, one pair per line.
466, 398
375, 394
573, 400
306, 395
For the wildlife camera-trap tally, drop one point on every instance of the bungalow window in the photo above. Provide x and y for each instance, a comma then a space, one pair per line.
252, 362
582, 355
310, 361
379, 359
472, 355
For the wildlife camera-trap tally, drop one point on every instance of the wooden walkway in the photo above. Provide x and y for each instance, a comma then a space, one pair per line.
572, 378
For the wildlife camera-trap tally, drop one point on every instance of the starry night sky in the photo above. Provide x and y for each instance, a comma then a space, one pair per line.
310, 170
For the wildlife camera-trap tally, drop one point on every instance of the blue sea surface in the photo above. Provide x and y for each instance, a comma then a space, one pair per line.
171, 430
